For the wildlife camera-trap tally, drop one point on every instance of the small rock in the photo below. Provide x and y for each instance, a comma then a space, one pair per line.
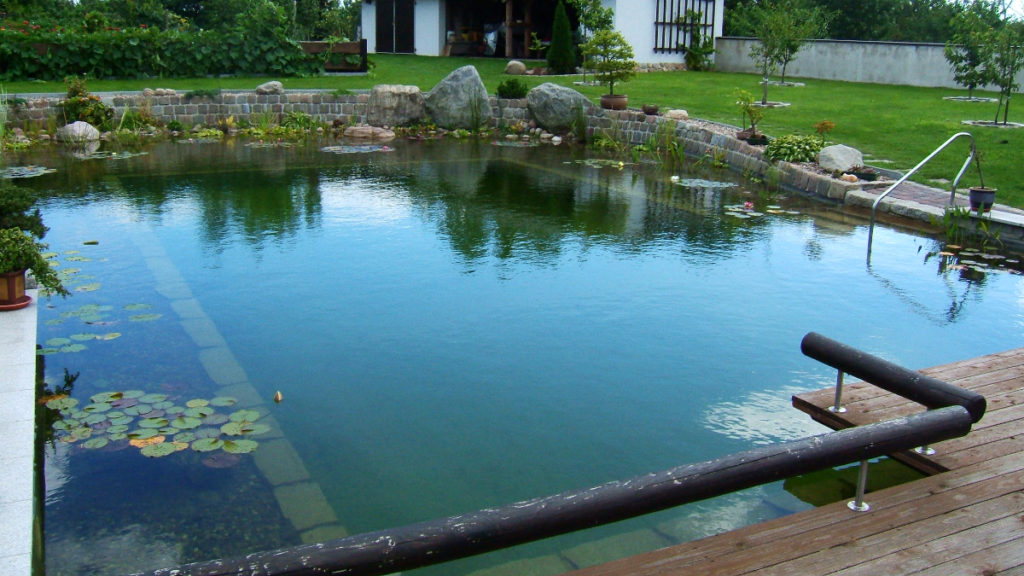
677, 115
78, 132
515, 68
839, 158
148, 92
556, 140
848, 178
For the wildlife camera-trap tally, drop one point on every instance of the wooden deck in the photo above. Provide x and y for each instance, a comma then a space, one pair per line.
967, 518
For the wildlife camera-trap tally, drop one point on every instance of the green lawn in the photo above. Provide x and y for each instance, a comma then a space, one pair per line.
895, 126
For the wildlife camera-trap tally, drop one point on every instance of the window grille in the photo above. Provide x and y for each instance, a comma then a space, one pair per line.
674, 25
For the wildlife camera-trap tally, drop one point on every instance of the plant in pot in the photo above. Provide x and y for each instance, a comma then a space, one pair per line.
20, 252
981, 198
611, 57
752, 112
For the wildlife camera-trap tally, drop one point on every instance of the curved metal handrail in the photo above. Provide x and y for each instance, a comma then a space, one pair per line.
952, 192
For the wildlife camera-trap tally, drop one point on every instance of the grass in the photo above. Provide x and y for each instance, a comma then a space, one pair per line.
895, 126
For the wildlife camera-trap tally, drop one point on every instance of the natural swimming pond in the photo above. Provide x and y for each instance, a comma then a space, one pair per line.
452, 326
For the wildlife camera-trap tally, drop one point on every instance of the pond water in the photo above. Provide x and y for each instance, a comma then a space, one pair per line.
451, 326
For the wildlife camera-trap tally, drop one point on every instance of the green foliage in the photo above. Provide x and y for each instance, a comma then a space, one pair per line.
969, 49
750, 111
781, 27
513, 88
16, 210
19, 251
611, 56
299, 121
256, 43
561, 52
793, 148
1007, 61
80, 105
697, 53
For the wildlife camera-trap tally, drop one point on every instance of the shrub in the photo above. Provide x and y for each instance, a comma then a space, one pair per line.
561, 52
512, 88
793, 148
80, 105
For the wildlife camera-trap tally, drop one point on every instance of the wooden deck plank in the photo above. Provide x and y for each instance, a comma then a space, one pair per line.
968, 520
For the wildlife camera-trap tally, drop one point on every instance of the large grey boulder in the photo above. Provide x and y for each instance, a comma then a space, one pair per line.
272, 87
555, 107
395, 105
460, 101
77, 132
839, 158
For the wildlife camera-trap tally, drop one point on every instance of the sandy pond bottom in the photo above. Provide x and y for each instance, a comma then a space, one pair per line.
451, 326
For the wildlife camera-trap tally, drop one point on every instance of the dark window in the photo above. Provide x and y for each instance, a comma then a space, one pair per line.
676, 21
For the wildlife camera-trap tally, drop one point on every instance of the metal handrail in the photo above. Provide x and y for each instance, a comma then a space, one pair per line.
445, 539
952, 192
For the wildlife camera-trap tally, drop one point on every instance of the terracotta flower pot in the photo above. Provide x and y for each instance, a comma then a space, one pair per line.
614, 101
12, 291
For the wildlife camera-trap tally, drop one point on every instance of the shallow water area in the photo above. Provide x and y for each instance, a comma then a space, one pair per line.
452, 325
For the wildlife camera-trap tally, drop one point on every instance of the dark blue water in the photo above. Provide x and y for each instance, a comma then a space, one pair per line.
452, 327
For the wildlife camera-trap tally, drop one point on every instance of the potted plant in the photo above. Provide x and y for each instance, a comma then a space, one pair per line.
981, 198
20, 252
611, 57
753, 112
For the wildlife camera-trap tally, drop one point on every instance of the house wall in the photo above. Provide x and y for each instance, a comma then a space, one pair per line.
429, 29
369, 26
636, 22
852, 61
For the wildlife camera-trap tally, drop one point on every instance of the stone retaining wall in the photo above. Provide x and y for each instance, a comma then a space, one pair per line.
631, 126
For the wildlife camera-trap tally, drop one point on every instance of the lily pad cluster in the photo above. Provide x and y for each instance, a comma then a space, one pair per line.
156, 425
94, 316
602, 163
746, 211
357, 149
701, 183
973, 261
109, 155
25, 172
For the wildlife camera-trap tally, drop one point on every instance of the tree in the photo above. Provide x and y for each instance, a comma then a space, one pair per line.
1007, 61
561, 52
593, 17
612, 56
969, 49
782, 27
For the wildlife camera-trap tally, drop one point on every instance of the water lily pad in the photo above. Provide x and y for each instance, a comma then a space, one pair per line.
133, 393
152, 398
176, 410
109, 336
207, 433
185, 437
245, 416
94, 419
97, 407
94, 443
64, 403
232, 428
163, 405
207, 444
82, 433
61, 425
186, 422
114, 436
153, 422
702, 183
199, 412
255, 429
144, 317
159, 450
117, 429
197, 402
73, 348
91, 287
58, 342
154, 413
215, 419
240, 446
223, 401
106, 396
135, 307
47, 351
83, 337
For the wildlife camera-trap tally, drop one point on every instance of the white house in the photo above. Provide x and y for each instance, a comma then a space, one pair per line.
481, 27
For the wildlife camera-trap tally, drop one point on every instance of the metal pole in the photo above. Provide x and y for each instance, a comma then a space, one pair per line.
837, 407
858, 504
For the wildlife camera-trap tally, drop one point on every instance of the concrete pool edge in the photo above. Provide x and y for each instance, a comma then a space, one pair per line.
17, 431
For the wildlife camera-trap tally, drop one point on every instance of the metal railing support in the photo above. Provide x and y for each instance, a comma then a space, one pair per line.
858, 504
952, 192
837, 406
